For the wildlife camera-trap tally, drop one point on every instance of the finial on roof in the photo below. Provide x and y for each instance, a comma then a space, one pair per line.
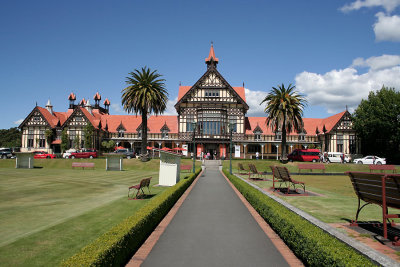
72, 96
36, 103
180, 83
212, 43
212, 60
346, 108
243, 84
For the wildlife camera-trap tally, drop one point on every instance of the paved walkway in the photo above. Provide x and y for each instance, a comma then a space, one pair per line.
213, 228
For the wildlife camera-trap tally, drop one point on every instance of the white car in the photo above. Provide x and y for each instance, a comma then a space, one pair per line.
336, 157
370, 160
68, 152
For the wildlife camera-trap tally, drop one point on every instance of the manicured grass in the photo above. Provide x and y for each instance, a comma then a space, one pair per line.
338, 202
48, 214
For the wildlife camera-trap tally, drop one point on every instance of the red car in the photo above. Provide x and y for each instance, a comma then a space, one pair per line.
304, 155
89, 153
43, 155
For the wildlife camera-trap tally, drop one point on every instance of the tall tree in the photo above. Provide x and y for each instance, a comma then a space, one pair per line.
10, 137
377, 123
145, 94
284, 109
64, 140
88, 136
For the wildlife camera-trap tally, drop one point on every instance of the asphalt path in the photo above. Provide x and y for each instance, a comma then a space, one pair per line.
213, 228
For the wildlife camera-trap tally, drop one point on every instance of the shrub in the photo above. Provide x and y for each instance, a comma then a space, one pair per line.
117, 246
310, 244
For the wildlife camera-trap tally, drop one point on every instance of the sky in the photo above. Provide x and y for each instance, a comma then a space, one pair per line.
335, 52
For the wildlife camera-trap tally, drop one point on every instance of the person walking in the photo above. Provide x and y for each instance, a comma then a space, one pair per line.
257, 155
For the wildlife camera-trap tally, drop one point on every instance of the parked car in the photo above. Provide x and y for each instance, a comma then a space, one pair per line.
68, 152
128, 153
88, 153
370, 160
336, 157
304, 155
43, 155
6, 153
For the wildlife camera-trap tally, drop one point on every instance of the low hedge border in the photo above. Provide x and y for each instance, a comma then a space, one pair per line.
309, 243
117, 246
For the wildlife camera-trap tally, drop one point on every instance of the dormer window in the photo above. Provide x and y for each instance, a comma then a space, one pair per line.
164, 131
278, 136
257, 136
164, 135
139, 134
121, 133
257, 133
302, 137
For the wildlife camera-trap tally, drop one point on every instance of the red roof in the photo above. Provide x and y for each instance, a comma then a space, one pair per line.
56, 142
97, 96
50, 118
310, 124
211, 55
72, 96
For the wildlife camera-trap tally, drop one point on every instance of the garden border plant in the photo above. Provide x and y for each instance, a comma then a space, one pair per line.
309, 243
117, 246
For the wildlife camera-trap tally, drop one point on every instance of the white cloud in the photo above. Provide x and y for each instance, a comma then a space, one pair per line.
388, 5
338, 88
170, 107
253, 99
376, 63
387, 28
116, 108
18, 122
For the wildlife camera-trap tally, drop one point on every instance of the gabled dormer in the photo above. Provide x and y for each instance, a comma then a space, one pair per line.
121, 130
257, 133
164, 131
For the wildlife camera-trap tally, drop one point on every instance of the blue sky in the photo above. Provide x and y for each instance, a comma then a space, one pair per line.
334, 51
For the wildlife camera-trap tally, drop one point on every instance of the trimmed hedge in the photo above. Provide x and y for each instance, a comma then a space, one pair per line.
310, 244
117, 246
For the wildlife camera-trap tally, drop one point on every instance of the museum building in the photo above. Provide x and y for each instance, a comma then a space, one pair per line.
206, 111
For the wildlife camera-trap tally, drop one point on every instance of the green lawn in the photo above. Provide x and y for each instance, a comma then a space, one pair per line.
50, 212
338, 202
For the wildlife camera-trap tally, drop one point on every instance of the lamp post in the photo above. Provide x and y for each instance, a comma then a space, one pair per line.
231, 127
194, 125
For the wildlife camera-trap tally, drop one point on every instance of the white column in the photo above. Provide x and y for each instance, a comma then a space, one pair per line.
262, 151
244, 150
277, 151
291, 148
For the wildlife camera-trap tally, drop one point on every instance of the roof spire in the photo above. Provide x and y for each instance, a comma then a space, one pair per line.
212, 60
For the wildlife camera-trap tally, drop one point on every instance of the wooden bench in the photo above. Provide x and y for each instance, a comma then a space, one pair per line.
186, 168
380, 189
276, 177
242, 170
382, 168
254, 171
284, 176
139, 187
311, 167
82, 165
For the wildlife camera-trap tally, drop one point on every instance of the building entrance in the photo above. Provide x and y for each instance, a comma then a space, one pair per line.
211, 151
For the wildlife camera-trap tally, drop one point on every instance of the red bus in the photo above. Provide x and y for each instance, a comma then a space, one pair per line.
304, 155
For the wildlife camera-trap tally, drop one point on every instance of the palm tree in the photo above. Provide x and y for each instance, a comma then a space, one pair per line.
145, 94
284, 109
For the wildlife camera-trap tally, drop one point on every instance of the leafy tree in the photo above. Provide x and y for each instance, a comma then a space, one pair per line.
10, 137
77, 142
377, 123
145, 94
108, 145
88, 136
284, 109
48, 134
64, 140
